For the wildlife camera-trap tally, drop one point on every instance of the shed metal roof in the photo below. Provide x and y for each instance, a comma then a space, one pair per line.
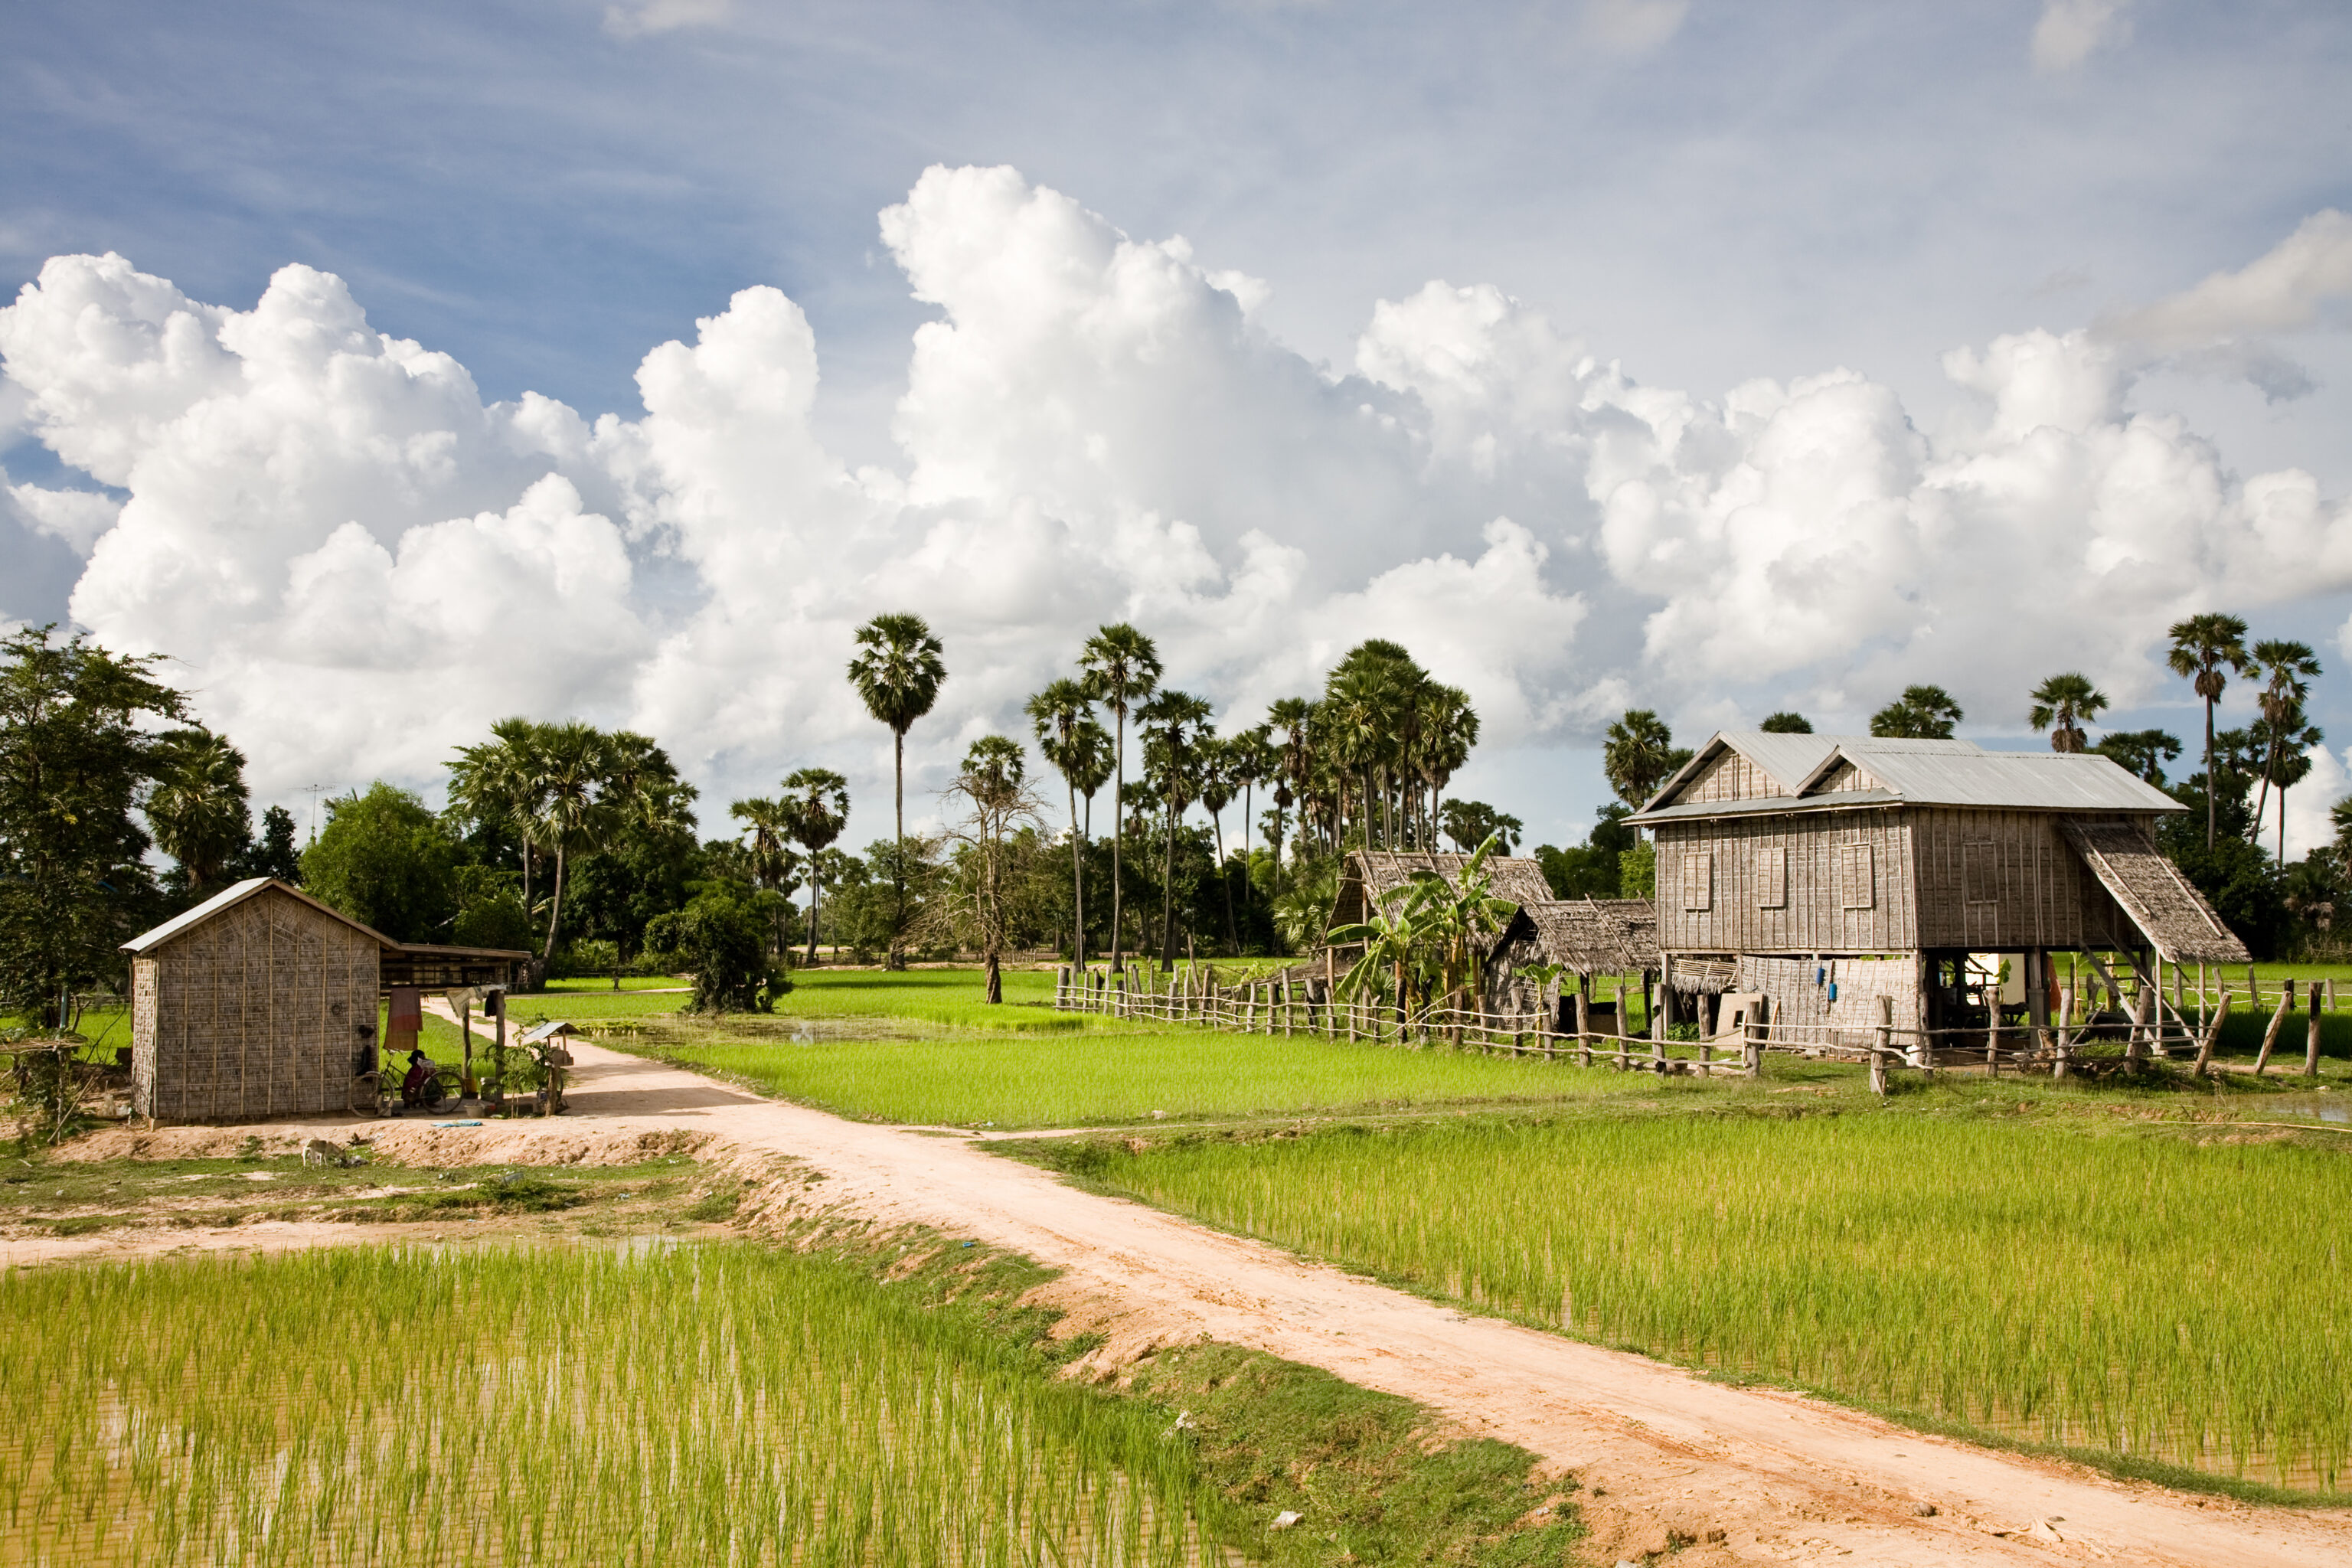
1913, 773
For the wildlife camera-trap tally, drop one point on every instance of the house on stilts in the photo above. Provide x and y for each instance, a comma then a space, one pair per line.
1851, 881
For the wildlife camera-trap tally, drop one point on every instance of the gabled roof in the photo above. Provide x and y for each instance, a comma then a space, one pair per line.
219, 903
1594, 936
1912, 773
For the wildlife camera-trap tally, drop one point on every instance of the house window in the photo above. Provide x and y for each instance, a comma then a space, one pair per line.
1698, 880
1772, 878
1980, 872
1857, 875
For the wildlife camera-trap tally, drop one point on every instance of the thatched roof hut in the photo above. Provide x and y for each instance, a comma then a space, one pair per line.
1587, 937
1371, 875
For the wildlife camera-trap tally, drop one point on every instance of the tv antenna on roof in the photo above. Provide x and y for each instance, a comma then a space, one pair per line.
314, 790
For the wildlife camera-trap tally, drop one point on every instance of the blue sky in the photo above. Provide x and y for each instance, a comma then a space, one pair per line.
1708, 193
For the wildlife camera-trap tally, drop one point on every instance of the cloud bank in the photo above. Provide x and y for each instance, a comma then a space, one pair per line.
360, 562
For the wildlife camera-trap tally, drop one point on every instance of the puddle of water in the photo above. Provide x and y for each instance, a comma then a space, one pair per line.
2320, 1110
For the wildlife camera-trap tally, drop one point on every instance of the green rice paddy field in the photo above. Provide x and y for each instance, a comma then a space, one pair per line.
2141, 1295
714, 1403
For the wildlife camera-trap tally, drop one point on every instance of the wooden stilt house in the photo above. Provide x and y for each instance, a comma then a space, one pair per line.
262, 1002
1851, 880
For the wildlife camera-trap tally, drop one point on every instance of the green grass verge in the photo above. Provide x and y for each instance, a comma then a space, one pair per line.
2104, 1294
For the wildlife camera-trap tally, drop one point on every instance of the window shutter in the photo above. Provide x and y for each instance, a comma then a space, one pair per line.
1857, 867
1698, 880
1772, 878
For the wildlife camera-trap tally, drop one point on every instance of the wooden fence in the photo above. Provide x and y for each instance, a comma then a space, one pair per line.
2077, 1042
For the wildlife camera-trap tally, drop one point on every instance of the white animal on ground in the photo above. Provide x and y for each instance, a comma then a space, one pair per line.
319, 1152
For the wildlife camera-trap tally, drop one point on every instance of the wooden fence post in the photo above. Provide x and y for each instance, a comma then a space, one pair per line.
1880, 1036
1583, 1030
1751, 1040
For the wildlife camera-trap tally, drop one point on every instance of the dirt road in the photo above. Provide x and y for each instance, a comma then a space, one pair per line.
1745, 1476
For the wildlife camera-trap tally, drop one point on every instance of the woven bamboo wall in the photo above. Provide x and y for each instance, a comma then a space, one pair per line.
1820, 865
258, 1012
1993, 881
1729, 777
1799, 990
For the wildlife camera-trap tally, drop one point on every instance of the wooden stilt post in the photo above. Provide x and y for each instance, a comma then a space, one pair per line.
2270, 1035
2310, 1036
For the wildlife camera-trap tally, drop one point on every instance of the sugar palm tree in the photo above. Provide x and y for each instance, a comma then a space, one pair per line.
816, 809
1921, 713
1060, 716
2207, 651
2061, 705
1448, 730
1216, 761
1294, 717
767, 847
1173, 720
577, 809
1124, 666
2141, 752
1637, 755
496, 785
2287, 668
198, 808
898, 677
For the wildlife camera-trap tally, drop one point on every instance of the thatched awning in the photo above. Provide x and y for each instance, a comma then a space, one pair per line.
1594, 936
2164, 903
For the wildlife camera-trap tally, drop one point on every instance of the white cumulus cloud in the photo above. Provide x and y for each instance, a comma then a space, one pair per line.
360, 562
2072, 31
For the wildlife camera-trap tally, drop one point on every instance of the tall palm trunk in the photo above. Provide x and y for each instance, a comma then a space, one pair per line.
1118, 834
555, 910
1168, 897
1077, 882
812, 908
1224, 875
898, 861
2209, 772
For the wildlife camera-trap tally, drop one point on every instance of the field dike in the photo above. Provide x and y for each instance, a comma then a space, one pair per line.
1315, 1469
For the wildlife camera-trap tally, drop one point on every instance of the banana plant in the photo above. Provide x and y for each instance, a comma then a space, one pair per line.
1433, 943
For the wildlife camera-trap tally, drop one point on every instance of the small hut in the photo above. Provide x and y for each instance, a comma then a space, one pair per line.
1371, 875
262, 1002
1587, 938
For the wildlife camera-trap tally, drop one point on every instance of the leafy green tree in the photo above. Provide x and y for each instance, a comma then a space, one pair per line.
274, 853
992, 789
1591, 870
73, 761
490, 913
2062, 705
2207, 651
816, 805
387, 862
1921, 713
2141, 752
1430, 937
1123, 667
1637, 872
898, 677
1786, 723
1470, 822
722, 937
197, 809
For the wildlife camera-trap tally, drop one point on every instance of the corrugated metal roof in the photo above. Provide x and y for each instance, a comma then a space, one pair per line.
190, 919
1920, 774
1787, 760
1768, 805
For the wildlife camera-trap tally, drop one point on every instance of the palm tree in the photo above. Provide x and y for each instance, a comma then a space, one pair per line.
767, 846
1060, 715
1921, 713
1174, 721
1449, 728
578, 808
1124, 665
198, 808
2208, 649
1294, 716
2291, 767
898, 677
496, 786
2289, 669
1638, 754
1216, 761
1361, 706
2061, 705
1786, 722
816, 809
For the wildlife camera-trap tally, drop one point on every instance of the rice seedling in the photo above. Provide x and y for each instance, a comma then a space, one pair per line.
722, 1403
2147, 1298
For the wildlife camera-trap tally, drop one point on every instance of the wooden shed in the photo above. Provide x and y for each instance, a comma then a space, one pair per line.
262, 1002
1849, 879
